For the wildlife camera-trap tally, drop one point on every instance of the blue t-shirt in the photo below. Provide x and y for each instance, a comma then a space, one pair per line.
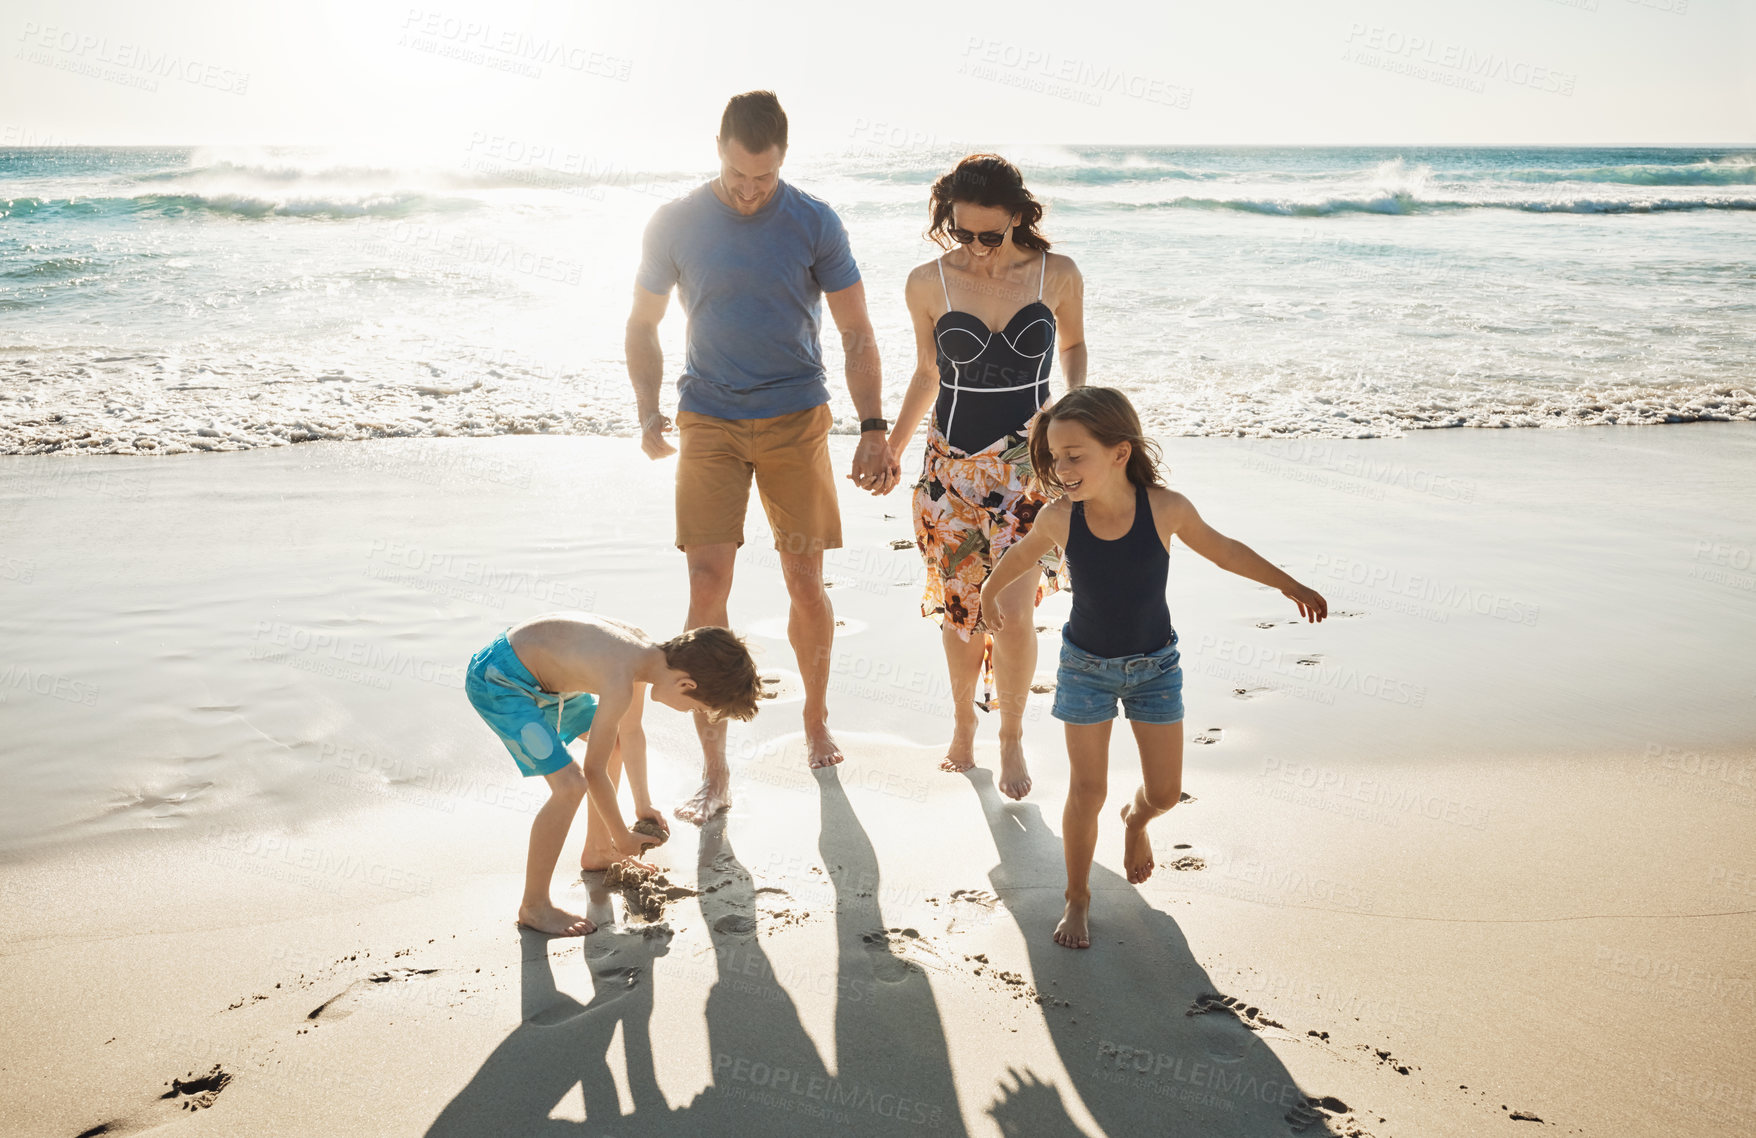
752, 288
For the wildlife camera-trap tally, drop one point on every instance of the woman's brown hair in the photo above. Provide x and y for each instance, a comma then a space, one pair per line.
1107, 414
987, 180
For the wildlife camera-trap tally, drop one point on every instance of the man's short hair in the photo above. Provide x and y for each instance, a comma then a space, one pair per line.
720, 664
756, 121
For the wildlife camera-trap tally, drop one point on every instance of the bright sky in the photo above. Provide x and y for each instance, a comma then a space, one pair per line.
642, 82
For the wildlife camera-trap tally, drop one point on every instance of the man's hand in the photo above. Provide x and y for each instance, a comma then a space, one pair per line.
875, 469
652, 436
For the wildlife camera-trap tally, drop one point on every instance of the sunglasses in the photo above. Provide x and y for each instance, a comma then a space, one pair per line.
991, 239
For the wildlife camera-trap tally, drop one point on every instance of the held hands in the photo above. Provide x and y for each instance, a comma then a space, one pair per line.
1311, 604
652, 436
875, 467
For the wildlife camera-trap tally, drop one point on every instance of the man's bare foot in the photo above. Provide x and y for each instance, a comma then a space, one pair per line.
820, 746
704, 803
1071, 932
555, 922
961, 754
1137, 847
1014, 776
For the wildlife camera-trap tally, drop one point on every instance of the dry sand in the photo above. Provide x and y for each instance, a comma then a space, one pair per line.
1474, 853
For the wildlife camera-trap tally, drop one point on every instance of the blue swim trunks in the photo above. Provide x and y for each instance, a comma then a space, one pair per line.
1150, 685
533, 723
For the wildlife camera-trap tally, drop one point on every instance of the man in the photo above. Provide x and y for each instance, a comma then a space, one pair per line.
751, 255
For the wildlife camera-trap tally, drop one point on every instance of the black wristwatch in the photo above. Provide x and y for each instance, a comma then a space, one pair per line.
874, 425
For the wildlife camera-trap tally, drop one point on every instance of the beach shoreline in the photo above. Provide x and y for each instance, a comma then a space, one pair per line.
1443, 849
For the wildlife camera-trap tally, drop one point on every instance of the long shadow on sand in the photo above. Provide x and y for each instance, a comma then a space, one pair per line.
1141, 1063
892, 1073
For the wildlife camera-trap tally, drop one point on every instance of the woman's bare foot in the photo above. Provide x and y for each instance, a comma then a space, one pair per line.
961, 754
1136, 848
704, 803
821, 747
1014, 776
1072, 931
555, 922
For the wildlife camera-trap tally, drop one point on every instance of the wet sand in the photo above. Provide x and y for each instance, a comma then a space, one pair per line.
1472, 854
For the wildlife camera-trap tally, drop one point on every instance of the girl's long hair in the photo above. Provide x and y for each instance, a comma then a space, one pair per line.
987, 180
1107, 414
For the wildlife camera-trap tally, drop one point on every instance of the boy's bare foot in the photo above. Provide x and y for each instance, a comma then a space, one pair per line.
555, 922
820, 746
961, 754
1014, 776
1136, 848
704, 803
595, 858
1072, 932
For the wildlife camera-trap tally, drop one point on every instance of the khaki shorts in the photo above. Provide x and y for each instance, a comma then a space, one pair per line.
789, 454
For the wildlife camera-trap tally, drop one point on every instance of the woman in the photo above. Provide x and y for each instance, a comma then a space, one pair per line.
986, 316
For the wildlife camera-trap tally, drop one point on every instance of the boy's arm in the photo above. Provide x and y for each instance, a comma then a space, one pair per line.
632, 734
1049, 531
613, 703
1233, 555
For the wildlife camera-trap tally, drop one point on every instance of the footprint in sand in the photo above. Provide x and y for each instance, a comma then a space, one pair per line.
1249, 1015
1042, 687
1211, 735
1187, 863
342, 1004
191, 1092
735, 924
899, 953
1310, 661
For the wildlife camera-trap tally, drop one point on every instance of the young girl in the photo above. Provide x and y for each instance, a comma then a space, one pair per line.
1115, 523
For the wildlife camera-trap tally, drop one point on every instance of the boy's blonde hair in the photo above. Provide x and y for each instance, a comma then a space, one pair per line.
720, 664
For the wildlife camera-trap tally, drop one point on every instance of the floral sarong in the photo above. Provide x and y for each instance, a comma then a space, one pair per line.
969, 509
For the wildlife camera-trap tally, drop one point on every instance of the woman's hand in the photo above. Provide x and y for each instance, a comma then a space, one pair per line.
1311, 604
991, 617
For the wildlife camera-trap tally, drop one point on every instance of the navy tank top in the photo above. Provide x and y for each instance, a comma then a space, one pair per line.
1119, 586
991, 383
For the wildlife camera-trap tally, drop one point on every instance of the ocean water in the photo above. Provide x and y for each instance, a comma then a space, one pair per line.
159, 300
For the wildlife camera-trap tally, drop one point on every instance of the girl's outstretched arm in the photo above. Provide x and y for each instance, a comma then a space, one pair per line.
1231, 554
1049, 531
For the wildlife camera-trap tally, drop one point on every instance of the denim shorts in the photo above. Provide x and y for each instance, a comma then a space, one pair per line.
1150, 685
533, 723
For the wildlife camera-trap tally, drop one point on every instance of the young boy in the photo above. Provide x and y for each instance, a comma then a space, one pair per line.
547, 680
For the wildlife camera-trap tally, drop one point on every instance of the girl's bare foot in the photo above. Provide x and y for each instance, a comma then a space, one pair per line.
705, 803
1014, 776
1137, 847
555, 922
961, 754
1072, 931
821, 747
